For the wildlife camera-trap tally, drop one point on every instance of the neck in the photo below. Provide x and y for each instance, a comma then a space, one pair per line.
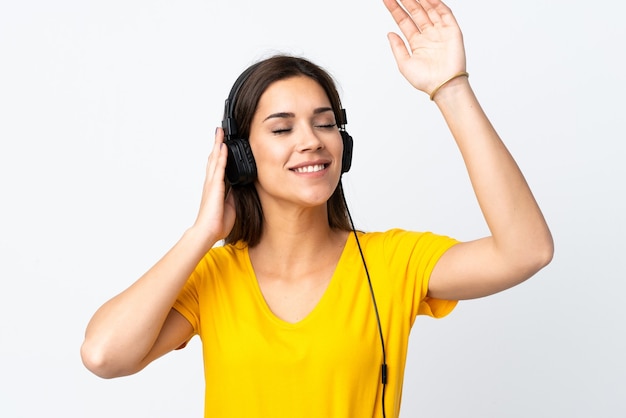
297, 237
297, 229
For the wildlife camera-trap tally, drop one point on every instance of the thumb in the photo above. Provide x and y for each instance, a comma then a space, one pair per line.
398, 48
230, 213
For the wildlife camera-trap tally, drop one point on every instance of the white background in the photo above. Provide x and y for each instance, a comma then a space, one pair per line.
107, 114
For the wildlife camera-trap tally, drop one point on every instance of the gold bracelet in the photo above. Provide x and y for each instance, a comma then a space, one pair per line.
457, 75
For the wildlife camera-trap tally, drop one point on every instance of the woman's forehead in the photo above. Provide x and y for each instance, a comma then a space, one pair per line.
298, 91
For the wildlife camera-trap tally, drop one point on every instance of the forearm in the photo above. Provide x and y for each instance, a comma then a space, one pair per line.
519, 231
123, 331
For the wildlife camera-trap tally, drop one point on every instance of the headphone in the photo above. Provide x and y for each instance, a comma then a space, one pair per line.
240, 164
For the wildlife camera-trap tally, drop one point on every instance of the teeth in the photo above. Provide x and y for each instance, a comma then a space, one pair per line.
310, 168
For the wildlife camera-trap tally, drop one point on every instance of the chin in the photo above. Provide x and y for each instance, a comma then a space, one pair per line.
315, 197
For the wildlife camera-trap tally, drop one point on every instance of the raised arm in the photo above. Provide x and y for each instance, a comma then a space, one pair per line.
139, 325
520, 243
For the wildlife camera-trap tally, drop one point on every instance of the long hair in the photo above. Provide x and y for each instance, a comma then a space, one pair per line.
248, 225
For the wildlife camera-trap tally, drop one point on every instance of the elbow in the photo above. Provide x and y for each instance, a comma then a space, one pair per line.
548, 255
545, 251
526, 259
97, 361
540, 255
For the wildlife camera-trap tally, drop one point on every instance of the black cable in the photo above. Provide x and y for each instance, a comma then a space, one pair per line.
383, 367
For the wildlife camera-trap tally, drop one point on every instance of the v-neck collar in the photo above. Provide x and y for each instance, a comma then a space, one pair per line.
331, 287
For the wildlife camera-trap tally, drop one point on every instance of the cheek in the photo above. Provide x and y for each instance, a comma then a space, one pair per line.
267, 159
340, 147
337, 149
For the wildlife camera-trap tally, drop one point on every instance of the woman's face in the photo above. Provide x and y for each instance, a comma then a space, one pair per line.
296, 144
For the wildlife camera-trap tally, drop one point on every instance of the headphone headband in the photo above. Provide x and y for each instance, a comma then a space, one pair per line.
228, 123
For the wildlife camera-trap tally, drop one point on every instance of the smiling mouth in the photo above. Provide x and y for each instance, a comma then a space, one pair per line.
310, 168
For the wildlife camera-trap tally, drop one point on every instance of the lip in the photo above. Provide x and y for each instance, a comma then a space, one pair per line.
323, 162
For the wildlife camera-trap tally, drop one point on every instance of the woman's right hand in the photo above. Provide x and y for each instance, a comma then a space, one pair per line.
216, 216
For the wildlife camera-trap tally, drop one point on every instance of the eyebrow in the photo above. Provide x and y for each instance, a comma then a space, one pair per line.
292, 115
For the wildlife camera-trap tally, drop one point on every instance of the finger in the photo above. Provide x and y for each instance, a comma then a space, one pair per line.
438, 12
418, 14
402, 18
217, 159
219, 135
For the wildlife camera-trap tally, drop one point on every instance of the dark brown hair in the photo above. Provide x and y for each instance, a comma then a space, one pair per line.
249, 221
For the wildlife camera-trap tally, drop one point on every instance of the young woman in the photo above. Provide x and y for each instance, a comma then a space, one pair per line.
300, 315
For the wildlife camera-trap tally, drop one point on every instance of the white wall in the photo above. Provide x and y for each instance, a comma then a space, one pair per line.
107, 113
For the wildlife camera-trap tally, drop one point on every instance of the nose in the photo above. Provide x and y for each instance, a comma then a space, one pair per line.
309, 140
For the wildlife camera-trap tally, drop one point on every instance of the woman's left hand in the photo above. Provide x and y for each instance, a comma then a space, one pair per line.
435, 50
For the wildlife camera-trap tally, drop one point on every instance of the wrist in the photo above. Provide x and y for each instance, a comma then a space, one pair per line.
455, 80
198, 237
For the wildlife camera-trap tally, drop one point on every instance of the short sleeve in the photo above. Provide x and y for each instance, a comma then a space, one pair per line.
436, 308
413, 256
433, 307
187, 302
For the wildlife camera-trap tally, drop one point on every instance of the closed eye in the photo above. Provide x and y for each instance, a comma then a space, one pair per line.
286, 130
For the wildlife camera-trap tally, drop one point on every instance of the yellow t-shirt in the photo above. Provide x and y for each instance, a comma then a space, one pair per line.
329, 363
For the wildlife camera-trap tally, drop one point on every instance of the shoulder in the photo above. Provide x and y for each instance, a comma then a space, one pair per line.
223, 258
399, 244
227, 252
403, 237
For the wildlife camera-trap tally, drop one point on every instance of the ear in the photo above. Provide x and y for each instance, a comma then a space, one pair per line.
240, 164
346, 160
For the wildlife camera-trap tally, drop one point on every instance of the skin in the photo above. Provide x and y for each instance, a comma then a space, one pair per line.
294, 127
138, 325
520, 243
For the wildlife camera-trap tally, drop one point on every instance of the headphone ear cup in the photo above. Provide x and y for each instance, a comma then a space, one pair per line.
346, 160
240, 164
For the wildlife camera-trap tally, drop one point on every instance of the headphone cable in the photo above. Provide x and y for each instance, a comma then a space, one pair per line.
383, 367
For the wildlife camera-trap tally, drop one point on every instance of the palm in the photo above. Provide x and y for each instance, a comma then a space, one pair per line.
434, 43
